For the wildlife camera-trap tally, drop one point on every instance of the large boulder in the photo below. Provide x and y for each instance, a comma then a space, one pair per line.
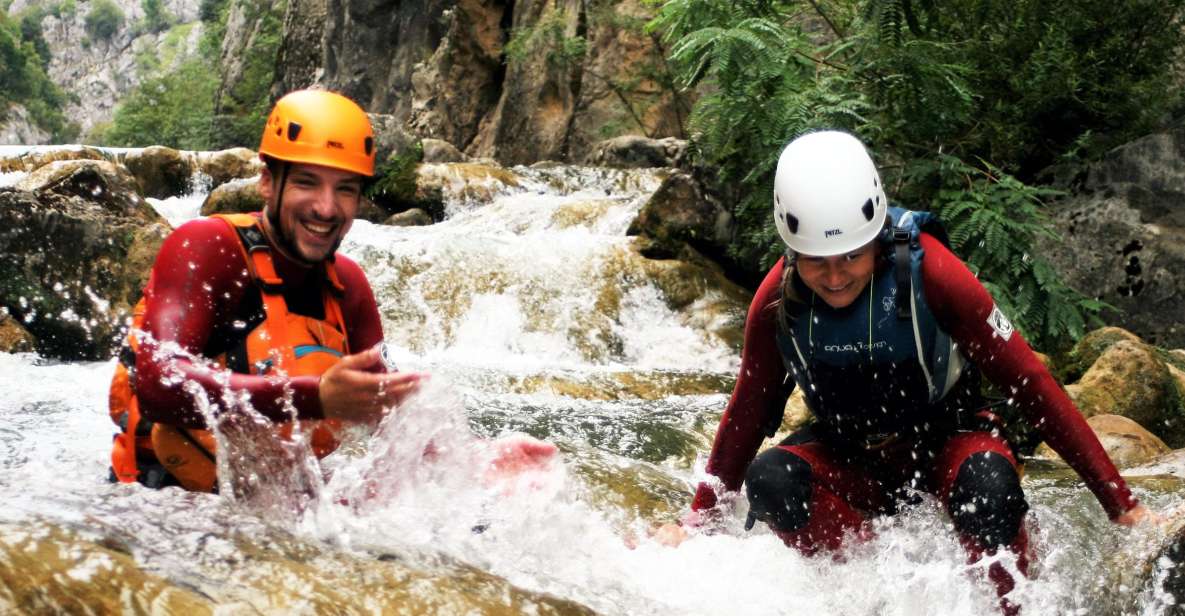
681, 212
1127, 443
234, 197
1123, 235
76, 245
1133, 379
34, 159
439, 151
637, 152
223, 166
161, 172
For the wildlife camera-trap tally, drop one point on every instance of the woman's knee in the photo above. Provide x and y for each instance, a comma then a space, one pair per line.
778, 484
986, 501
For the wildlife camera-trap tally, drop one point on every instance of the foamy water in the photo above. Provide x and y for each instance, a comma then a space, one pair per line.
533, 284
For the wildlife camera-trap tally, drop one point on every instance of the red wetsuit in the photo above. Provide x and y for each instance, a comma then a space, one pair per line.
961, 305
201, 297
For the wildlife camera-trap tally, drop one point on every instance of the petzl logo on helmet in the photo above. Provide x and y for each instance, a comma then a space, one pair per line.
1000, 323
832, 232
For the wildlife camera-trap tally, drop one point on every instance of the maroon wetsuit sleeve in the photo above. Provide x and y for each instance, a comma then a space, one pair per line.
962, 307
359, 309
197, 281
758, 389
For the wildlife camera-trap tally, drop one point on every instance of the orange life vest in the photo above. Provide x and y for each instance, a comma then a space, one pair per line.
297, 344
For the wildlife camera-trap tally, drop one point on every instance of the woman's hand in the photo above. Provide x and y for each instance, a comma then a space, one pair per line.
1139, 515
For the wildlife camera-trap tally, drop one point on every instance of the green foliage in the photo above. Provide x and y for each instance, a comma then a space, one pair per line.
997, 223
31, 33
549, 37
172, 110
209, 11
23, 81
394, 183
156, 17
103, 20
65, 9
930, 86
242, 108
563, 41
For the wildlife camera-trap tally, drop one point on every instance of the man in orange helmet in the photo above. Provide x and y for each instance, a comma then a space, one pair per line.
266, 298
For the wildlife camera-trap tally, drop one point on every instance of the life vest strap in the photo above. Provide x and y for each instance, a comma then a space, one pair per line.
902, 273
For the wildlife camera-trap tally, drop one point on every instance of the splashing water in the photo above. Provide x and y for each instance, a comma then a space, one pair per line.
534, 316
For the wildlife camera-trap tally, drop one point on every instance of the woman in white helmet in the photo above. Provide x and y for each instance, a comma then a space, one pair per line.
886, 332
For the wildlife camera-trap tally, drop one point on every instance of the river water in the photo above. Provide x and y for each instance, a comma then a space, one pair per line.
532, 314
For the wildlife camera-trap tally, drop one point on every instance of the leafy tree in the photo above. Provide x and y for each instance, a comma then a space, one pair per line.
1010, 87
31, 33
23, 81
156, 17
242, 106
172, 110
103, 20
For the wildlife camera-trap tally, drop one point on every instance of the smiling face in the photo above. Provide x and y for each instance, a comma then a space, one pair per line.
317, 208
839, 280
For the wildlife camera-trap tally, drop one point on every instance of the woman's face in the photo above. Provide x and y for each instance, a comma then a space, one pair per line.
839, 279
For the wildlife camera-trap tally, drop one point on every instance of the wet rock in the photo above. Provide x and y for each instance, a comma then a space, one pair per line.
1131, 379
637, 152
226, 165
414, 217
161, 172
76, 244
1089, 348
439, 151
371, 212
681, 212
467, 182
234, 197
1127, 443
1123, 235
14, 338
655, 385
36, 159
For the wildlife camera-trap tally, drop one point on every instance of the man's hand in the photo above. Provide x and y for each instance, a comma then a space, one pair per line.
350, 392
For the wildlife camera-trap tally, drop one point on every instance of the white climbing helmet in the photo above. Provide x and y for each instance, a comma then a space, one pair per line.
828, 197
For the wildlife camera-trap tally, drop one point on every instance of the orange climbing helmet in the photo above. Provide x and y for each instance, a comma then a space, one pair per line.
320, 128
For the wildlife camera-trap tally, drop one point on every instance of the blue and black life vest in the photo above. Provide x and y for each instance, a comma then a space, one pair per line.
880, 366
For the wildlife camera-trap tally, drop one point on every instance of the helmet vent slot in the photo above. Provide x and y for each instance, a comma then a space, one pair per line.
293, 131
867, 209
791, 223
368, 145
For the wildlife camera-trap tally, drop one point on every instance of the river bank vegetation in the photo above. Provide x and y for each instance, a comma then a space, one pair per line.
966, 104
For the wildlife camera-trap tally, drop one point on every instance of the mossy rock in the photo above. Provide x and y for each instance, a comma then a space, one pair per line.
234, 197
1129, 378
1083, 355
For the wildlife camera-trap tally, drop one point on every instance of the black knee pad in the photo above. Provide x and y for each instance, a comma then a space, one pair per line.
986, 502
779, 487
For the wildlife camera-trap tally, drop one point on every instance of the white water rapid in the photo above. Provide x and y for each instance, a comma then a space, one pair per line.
532, 314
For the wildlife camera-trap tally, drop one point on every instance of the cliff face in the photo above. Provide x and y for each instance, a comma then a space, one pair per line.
99, 72
440, 67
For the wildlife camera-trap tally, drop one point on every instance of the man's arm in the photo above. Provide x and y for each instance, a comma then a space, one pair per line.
758, 389
963, 307
197, 281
